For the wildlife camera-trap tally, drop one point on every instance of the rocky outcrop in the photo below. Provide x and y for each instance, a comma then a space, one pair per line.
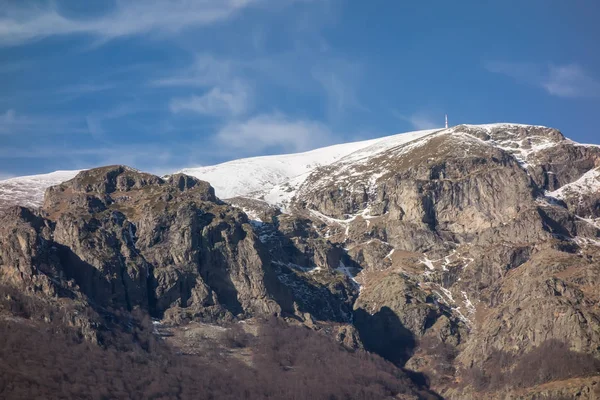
455, 244
128, 239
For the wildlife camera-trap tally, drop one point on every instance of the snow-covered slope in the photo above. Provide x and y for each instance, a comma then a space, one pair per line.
277, 178
29, 190
588, 183
260, 174
362, 168
247, 175
522, 141
281, 194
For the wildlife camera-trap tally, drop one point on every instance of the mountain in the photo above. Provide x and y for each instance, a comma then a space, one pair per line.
230, 179
463, 256
258, 174
29, 190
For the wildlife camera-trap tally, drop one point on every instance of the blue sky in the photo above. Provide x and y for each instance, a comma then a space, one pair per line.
162, 85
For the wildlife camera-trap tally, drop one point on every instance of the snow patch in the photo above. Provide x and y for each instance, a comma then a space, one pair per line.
342, 268
428, 263
588, 183
29, 190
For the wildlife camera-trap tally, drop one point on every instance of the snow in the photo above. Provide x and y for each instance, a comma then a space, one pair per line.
428, 263
277, 178
594, 222
390, 254
29, 190
281, 195
247, 175
522, 148
497, 125
470, 307
586, 144
446, 297
589, 182
349, 169
583, 241
342, 268
55, 177
384, 144
447, 293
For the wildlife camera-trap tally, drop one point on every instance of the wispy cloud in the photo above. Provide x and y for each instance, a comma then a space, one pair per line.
85, 88
21, 24
216, 102
569, 80
150, 157
228, 92
302, 71
13, 123
338, 80
205, 70
421, 120
274, 132
95, 121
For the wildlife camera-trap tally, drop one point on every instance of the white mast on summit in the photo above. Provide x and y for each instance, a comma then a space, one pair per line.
446, 121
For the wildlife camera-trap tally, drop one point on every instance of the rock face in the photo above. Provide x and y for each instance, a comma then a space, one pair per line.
462, 254
466, 243
128, 239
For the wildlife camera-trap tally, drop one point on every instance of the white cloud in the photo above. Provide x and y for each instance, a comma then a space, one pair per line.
569, 80
206, 70
303, 71
86, 88
16, 123
151, 157
94, 122
11, 123
216, 102
94, 127
339, 80
274, 132
23, 24
422, 120
228, 93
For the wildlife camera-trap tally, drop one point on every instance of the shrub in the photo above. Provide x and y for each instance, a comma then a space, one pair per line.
236, 337
46, 360
553, 360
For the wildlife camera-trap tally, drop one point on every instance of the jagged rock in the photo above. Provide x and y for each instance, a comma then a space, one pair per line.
132, 239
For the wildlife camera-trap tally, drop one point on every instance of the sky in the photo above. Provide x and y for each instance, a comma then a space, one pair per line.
166, 84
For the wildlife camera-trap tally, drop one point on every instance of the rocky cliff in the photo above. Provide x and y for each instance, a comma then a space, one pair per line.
127, 239
465, 244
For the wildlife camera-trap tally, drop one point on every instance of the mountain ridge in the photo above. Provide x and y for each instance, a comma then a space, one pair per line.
465, 254
251, 174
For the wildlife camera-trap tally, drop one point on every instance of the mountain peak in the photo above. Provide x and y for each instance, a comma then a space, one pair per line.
275, 178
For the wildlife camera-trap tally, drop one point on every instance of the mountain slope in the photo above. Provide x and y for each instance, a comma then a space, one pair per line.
465, 254
272, 178
230, 179
28, 191
248, 175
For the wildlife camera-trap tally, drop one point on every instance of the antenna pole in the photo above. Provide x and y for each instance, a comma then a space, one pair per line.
446, 121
